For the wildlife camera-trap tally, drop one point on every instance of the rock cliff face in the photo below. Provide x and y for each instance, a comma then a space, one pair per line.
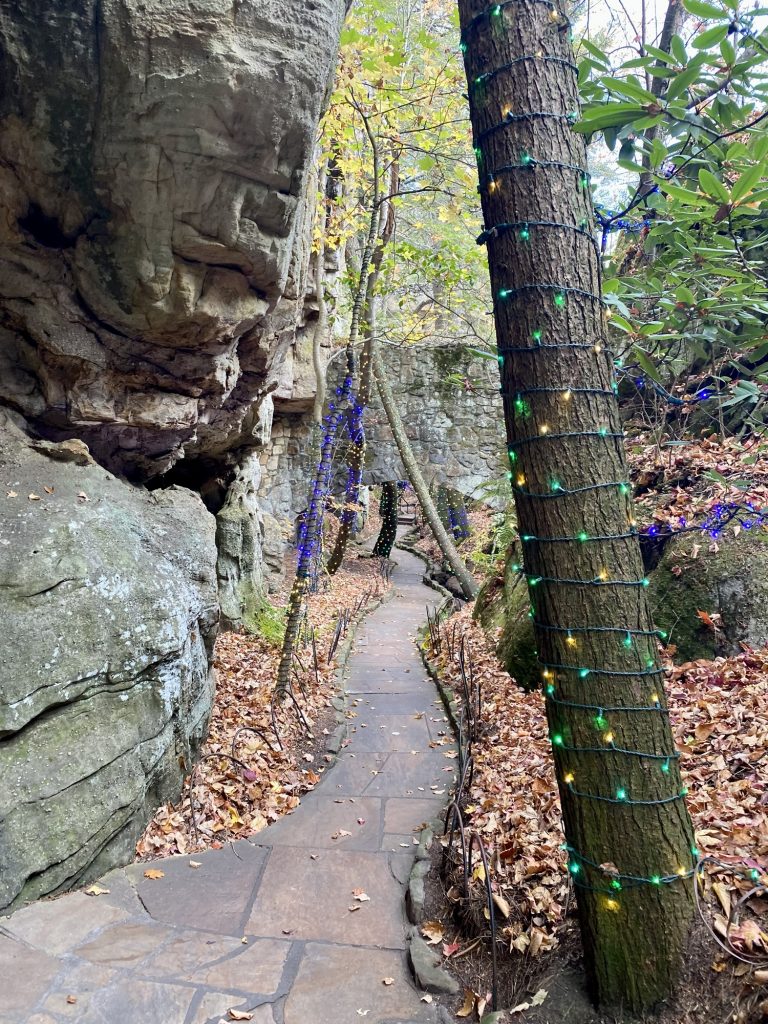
154, 174
156, 199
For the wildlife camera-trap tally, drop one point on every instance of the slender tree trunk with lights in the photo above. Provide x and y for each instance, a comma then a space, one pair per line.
388, 512
628, 833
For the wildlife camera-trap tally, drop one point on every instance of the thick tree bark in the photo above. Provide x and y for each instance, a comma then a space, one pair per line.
448, 548
388, 512
618, 775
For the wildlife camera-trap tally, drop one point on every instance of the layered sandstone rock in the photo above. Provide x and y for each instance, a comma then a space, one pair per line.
154, 204
156, 200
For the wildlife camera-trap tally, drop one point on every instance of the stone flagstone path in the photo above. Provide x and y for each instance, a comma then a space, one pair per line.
264, 925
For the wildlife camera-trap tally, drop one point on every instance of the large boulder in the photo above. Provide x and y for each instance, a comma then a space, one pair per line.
110, 608
712, 596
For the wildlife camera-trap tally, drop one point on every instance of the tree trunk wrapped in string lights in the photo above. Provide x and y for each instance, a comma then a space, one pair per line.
388, 511
629, 836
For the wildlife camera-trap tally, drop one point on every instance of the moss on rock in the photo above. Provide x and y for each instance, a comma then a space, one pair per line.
728, 580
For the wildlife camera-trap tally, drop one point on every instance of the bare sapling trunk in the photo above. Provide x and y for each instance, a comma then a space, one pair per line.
629, 837
446, 545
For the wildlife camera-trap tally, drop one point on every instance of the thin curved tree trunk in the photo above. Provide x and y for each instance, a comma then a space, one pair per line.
388, 511
448, 548
628, 833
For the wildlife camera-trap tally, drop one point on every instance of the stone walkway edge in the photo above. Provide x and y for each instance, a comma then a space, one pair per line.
303, 923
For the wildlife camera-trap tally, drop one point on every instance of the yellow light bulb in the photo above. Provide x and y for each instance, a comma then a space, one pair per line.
603, 574
571, 641
598, 348
682, 872
568, 778
546, 674
491, 186
554, 16
654, 698
505, 111
543, 429
608, 737
567, 395
613, 905
520, 479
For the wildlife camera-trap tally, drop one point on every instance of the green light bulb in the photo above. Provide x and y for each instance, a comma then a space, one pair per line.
550, 688
504, 293
655, 880
537, 334
559, 299
621, 794
583, 673
500, 359
665, 766
616, 884
623, 488
556, 485
525, 234
601, 722
583, 536
628, 640
557, 740
646, 583
574, 868
512, 455
463, 47
496, 9
526, 159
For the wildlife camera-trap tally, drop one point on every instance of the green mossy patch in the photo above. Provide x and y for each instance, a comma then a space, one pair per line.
266, 621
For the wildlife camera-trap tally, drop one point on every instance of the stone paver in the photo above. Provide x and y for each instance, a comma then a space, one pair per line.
269, 925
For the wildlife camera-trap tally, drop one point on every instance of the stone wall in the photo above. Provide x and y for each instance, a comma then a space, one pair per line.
450, 404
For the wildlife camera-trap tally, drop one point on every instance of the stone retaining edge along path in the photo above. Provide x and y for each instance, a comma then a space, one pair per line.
273, 925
